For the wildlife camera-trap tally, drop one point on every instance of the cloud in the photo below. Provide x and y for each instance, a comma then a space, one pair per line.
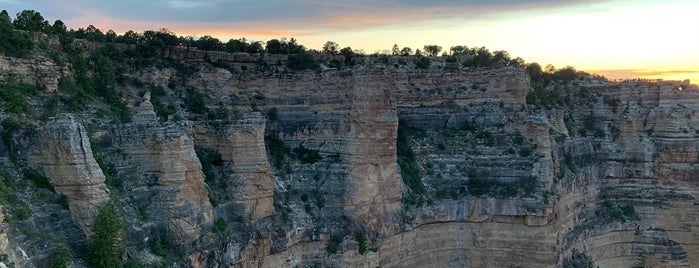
289, 14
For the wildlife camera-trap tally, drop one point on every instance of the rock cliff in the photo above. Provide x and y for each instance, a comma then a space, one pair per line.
63, 153
383, 165
161, 173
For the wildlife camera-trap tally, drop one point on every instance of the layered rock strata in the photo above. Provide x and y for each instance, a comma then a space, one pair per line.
161, 171
64, 155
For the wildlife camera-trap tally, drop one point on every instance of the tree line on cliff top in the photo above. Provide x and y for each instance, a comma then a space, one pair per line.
152, 43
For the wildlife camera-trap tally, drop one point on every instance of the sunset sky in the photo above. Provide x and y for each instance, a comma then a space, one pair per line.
625, 38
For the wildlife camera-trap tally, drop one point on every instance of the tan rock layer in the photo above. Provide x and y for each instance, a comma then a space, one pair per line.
63, 153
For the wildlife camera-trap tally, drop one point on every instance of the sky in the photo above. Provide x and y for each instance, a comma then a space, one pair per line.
619, 39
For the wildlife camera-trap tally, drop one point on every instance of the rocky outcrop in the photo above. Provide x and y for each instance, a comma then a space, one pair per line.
374, 180
244, 151
42, 72
609, 170
64, 155
160, 169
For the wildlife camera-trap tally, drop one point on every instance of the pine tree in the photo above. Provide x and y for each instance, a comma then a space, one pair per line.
61, 256
107, 247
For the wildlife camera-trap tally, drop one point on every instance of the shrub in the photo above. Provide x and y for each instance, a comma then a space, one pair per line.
14, 95
422, 62
17, 209
39, 180
362, 242
301, 61
408, 163
525, 151
61, 256
15, 43
277, 149
578, 260
194, 101
333, 243
220, 225
306, 156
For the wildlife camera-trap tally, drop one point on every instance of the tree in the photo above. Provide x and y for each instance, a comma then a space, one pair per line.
129, 37
534, 71
30, 20
517, 62
458, 50
107, 246
395, 51
5, 19
301, 61
236, 45
210, 43
274, 46
330, 47
294, 46
348, 53
432, 50
110, 36
406, 51
255, 47
94, 34
61, 256
58, 27
550, 68
14, 43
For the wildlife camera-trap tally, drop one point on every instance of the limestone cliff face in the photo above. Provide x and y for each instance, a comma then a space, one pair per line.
62, 152
610, 170
244, 150
160, 169
374, 180
42, 72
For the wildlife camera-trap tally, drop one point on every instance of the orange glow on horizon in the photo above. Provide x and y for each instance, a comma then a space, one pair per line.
667, 75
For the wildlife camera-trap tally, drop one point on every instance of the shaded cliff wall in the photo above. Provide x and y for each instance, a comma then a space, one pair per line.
162, 174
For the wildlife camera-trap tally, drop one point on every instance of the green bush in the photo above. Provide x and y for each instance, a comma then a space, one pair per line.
525, 151
578, 260
422, 62
408, 163
306, 156
362, 242
15, 43
208, 159
16, 209
15, 94
39, 180
301, 61
220, 225
61, 256
276, 149
333, 243
194, 101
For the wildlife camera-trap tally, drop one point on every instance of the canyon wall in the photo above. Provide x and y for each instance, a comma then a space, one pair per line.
383, 165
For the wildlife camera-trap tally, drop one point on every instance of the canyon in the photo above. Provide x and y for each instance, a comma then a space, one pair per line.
379, 164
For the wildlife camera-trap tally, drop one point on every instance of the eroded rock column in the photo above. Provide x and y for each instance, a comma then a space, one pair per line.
374, 181
245, 142
64, 155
